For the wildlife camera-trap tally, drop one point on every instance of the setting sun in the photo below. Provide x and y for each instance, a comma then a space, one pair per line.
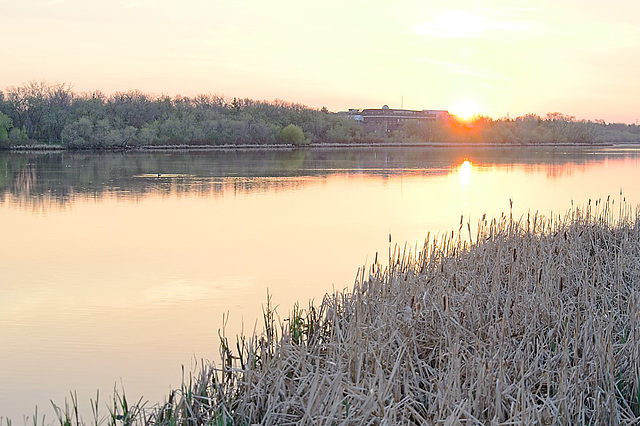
465, 109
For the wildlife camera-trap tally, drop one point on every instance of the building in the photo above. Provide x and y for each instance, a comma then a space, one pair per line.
387, 120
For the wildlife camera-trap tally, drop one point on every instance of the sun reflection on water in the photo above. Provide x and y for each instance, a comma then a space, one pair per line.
464, 173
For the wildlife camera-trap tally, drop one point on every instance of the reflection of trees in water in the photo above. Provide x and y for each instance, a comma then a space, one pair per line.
557, 171
26, 179
55, 179
218, 187
551, 170
293, 160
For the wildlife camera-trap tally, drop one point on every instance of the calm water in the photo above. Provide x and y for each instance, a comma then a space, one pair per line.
111, 274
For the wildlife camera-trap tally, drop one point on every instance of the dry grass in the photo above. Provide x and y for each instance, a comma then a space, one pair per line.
535, 322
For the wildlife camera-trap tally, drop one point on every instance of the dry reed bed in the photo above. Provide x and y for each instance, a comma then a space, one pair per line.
534, 322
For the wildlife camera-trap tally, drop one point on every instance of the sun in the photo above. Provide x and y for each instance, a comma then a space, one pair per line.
465, 109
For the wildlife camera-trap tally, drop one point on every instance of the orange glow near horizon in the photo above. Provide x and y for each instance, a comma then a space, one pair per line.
465, 109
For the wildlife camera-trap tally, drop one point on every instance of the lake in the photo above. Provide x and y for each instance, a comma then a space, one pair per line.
119, 268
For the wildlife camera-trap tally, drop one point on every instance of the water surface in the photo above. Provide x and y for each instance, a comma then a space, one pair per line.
119, 267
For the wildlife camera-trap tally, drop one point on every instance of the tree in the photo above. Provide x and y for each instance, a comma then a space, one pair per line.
79, 134
41, 108
18, 136
5, 125
293, 135
235, 104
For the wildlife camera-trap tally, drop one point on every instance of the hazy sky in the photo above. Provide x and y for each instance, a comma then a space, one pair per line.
581, 58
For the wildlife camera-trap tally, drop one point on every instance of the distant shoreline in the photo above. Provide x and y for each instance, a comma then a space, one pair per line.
280, 147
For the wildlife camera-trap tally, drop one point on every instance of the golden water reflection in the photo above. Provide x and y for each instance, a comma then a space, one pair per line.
108, 271
466, 168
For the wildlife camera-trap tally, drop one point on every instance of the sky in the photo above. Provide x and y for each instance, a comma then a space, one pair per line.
496, 57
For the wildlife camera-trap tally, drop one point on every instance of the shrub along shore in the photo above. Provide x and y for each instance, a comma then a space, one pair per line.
528, 321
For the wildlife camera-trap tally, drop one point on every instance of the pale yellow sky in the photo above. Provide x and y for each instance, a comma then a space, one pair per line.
507, 56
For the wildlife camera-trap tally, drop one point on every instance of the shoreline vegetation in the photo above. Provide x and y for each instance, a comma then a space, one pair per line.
258, 147
527, 320
39, 114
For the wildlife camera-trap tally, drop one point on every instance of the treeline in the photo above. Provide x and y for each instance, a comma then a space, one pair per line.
54, 114
528, 129
42, 113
